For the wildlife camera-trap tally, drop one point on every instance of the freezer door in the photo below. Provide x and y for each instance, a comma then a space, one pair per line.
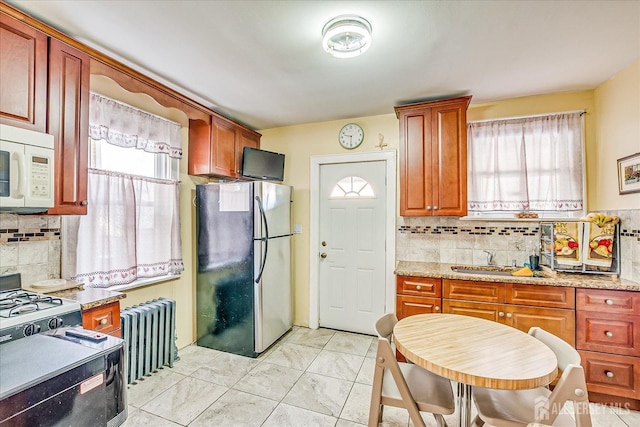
273, 303
275, 200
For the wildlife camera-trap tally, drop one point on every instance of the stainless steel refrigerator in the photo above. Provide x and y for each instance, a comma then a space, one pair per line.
243, 284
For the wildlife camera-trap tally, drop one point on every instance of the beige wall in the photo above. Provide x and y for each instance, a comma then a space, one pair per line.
617, 104
181, 290
301, 142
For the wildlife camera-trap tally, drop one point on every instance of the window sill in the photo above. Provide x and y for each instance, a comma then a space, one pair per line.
142, 282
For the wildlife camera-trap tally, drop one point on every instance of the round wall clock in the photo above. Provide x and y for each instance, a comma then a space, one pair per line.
351, 136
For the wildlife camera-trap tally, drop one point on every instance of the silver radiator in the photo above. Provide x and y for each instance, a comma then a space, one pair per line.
149, 332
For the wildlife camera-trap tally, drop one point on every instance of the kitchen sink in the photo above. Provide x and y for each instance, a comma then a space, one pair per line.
489, 270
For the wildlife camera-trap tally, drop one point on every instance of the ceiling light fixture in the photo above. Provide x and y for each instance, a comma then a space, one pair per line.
346, 36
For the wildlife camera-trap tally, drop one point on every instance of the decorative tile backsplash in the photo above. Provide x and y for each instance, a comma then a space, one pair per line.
30, 245
450, 240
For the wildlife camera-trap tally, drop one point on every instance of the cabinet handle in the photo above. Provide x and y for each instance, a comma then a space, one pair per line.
436, 308
609, 301
103, 321
435, 208
501, 314
84, 202
609, 374
418, 288
428, 208
509, 315
609, 334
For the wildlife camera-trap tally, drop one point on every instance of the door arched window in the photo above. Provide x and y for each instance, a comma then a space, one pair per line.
352, 187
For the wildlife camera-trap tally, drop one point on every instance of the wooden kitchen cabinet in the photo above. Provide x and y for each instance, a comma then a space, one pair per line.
518, 305
23, 75
215, 148
433, 158
104, 318
609, 342
417, 295
69, 125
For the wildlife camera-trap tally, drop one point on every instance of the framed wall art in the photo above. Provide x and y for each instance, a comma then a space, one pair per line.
629, 174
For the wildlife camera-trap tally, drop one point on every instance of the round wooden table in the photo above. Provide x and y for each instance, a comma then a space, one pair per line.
475, 352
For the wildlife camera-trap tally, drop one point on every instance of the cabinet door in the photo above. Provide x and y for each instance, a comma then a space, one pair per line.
410, 305
474, 309
449, 140
560, 323
416, 160
612, 374
199, 147
69, 125
223, 148
105, 318
23, 75
245, 139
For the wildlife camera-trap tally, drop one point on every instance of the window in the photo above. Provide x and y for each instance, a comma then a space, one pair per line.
531, 164
132, 228
352, 187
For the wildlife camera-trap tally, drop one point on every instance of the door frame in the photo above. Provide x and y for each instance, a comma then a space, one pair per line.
389, 157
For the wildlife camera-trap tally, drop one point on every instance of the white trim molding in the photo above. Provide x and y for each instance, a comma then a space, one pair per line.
389, 157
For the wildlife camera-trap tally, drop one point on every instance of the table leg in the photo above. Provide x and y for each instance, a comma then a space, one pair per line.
464, 405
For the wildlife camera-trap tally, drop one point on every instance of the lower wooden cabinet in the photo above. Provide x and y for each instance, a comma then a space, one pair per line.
417, 295
612, 374
105, 319
519, 305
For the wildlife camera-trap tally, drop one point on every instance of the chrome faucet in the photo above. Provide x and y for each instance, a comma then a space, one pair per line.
490, 258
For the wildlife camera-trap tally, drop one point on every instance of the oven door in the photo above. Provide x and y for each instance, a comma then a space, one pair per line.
92, 394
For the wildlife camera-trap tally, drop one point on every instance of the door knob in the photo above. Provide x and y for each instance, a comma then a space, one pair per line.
323, 255
323, 243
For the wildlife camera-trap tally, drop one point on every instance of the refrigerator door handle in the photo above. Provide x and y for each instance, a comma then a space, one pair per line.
264, 239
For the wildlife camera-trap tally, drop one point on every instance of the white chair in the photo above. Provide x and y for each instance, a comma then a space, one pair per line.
517, 408
405, 385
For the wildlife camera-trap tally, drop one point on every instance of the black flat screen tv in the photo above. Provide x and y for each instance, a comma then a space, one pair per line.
262, 164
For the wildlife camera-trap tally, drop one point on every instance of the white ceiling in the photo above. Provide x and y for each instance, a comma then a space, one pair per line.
261, 62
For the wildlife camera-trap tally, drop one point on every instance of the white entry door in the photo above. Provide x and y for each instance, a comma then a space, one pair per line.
352, 245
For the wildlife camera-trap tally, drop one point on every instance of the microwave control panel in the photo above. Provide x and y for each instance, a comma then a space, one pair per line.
40, 179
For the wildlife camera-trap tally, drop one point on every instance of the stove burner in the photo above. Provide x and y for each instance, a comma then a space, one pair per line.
6, 303
20, 302
24, 308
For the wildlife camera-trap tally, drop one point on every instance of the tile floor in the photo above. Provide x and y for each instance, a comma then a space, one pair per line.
309, 378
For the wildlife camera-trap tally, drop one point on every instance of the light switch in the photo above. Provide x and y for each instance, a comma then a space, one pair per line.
297, 229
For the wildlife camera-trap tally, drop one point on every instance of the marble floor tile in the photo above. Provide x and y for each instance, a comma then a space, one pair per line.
631, 418
319, 393
311, 337
151, 386
226, 369
605, 416
356, 409
365, 375
139, 418
293, 356
269, 380
346, 342
373, 348
337, 365
238, 409
193, 358
346, 423
291, 416
184, 401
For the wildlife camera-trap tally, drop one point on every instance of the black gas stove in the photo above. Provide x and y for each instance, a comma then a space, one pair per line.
25, 313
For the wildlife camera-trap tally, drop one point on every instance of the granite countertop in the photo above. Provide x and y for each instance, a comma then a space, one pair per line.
91, 297
573, 280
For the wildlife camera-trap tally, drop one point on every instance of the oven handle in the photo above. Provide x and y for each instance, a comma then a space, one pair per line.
17, 190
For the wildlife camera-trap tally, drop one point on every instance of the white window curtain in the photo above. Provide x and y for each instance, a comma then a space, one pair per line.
132, 227
526, 164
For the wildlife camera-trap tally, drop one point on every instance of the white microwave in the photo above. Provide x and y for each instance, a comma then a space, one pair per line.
26, 170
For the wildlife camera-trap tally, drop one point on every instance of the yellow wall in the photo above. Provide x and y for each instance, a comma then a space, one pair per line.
301, 142
617, 104
181, 290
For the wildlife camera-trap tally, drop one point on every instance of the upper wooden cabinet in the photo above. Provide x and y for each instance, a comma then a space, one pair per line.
69, 125
433, 158
23, 75
215, 148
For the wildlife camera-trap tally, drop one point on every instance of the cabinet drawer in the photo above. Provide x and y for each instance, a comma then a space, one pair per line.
481, 310
612, 374
599, 300
474, 291
610, 333
541, 296
409, 305
422, 286
104, 319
